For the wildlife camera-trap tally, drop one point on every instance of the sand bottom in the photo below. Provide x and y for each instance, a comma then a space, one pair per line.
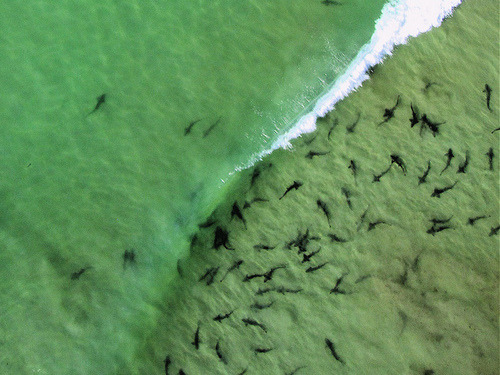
401, 278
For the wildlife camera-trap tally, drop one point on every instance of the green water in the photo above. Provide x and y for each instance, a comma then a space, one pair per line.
408, 302
77, 190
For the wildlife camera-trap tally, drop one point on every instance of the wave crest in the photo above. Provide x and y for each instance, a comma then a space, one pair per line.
400, 19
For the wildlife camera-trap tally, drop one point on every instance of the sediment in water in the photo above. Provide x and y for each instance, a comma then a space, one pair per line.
413, 301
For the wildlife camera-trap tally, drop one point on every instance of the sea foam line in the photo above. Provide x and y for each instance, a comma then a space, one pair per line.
400, 19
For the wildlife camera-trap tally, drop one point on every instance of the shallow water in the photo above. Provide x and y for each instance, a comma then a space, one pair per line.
78, 189
409, 301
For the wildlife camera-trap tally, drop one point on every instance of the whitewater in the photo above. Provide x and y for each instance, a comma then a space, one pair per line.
81, 192
400, 20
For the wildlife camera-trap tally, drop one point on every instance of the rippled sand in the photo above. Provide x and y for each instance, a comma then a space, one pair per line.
401, 295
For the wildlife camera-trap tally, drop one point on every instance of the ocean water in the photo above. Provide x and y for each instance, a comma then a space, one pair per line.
78, 188
392, 296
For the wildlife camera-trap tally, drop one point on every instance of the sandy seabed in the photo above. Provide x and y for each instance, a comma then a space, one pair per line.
365, 271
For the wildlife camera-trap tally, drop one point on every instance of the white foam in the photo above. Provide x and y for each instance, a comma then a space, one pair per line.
400, 20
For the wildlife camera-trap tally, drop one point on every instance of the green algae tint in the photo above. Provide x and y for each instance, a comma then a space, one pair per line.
77, 190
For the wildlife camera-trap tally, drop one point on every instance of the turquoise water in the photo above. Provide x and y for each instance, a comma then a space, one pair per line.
78, 189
